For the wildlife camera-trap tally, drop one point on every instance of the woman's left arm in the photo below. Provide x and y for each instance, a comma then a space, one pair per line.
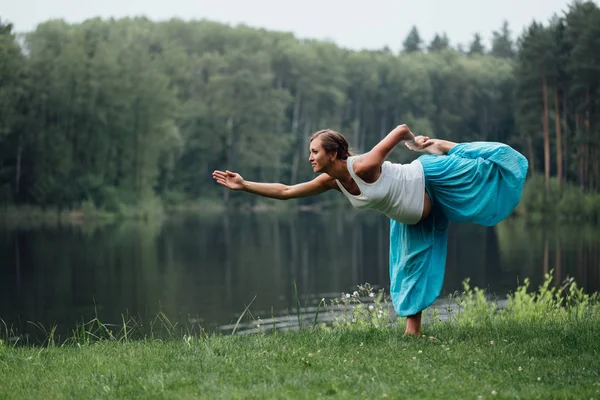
372, 160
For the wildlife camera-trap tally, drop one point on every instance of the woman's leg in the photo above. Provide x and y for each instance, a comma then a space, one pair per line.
417, 266
479, 182
443, 146
413, 325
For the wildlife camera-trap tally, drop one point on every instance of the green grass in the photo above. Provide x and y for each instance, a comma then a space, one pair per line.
513, 360
544, 344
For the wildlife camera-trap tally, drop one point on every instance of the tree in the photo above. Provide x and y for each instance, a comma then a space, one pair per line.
502, 45
413, 41
439, 43
12, 113
534, 69
582, 29
121, 111
476, 47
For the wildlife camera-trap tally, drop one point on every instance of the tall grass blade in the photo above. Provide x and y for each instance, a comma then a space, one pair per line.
242, 316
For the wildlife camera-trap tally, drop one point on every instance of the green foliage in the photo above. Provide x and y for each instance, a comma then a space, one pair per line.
413, 41
502, 44
116, 112
548, 305
474, 307
476, 47
563, 203
439, 43
365, 308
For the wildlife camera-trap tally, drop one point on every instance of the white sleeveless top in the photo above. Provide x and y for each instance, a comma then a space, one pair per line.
398, 193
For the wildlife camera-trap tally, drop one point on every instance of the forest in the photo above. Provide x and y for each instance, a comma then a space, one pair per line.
114, 113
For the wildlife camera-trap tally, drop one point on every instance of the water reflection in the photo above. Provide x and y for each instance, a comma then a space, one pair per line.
209, 268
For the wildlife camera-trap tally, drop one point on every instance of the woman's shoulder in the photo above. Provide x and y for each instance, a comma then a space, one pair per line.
327, 181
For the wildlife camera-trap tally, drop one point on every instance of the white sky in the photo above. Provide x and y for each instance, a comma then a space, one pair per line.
355, 24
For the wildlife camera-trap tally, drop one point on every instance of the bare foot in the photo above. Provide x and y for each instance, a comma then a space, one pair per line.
413, 325
425, 144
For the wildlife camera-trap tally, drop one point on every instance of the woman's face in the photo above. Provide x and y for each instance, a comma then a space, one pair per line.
319, 158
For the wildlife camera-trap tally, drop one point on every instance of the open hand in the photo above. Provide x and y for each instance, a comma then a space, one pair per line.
229, 179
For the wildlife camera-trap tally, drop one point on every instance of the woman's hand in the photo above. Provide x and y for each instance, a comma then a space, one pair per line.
229, 179
424, 143
404, 132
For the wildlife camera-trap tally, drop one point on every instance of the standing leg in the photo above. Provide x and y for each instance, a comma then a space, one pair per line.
417, 266
413, 325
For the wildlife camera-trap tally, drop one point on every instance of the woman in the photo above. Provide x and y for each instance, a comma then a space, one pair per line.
479, 182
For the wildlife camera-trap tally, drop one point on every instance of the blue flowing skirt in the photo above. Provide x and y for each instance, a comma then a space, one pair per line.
479, 182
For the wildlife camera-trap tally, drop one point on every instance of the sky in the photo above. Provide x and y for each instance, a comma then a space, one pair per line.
354, 24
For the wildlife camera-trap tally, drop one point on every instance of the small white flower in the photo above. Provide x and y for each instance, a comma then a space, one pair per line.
494, 393
371, 294
323, 300
414, 358
347, 295
539, 379
491, 342
520, 369
355, 294
420, 351
371, 308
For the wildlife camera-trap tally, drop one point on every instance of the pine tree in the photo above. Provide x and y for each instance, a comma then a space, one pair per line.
413, 41
476, 46
502, 45
439, 43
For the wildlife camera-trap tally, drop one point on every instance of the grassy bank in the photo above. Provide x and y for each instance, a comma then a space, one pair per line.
564, 203
544, 344
87, 212
506, 360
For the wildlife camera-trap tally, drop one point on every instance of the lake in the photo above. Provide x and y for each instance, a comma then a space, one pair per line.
208, 268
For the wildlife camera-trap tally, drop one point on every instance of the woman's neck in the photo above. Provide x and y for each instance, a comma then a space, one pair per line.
339, 171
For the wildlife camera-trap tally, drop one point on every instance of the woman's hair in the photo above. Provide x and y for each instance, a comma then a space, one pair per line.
333, 142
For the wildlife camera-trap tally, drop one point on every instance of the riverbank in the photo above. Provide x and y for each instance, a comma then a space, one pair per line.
26, 215
543, 344
154, 209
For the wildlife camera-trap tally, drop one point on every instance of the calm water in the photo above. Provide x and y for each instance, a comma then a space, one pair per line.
210, 268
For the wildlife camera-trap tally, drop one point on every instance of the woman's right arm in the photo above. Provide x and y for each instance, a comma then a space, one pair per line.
234, 181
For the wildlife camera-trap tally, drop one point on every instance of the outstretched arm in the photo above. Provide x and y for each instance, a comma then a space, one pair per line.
234, 181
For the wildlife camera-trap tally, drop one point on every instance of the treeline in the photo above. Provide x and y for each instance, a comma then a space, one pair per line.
116, 112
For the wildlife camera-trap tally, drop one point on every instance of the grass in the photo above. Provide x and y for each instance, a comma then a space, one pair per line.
512, 360
544, 344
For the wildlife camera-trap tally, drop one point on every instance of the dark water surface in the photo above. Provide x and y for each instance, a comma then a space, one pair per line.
210, 268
